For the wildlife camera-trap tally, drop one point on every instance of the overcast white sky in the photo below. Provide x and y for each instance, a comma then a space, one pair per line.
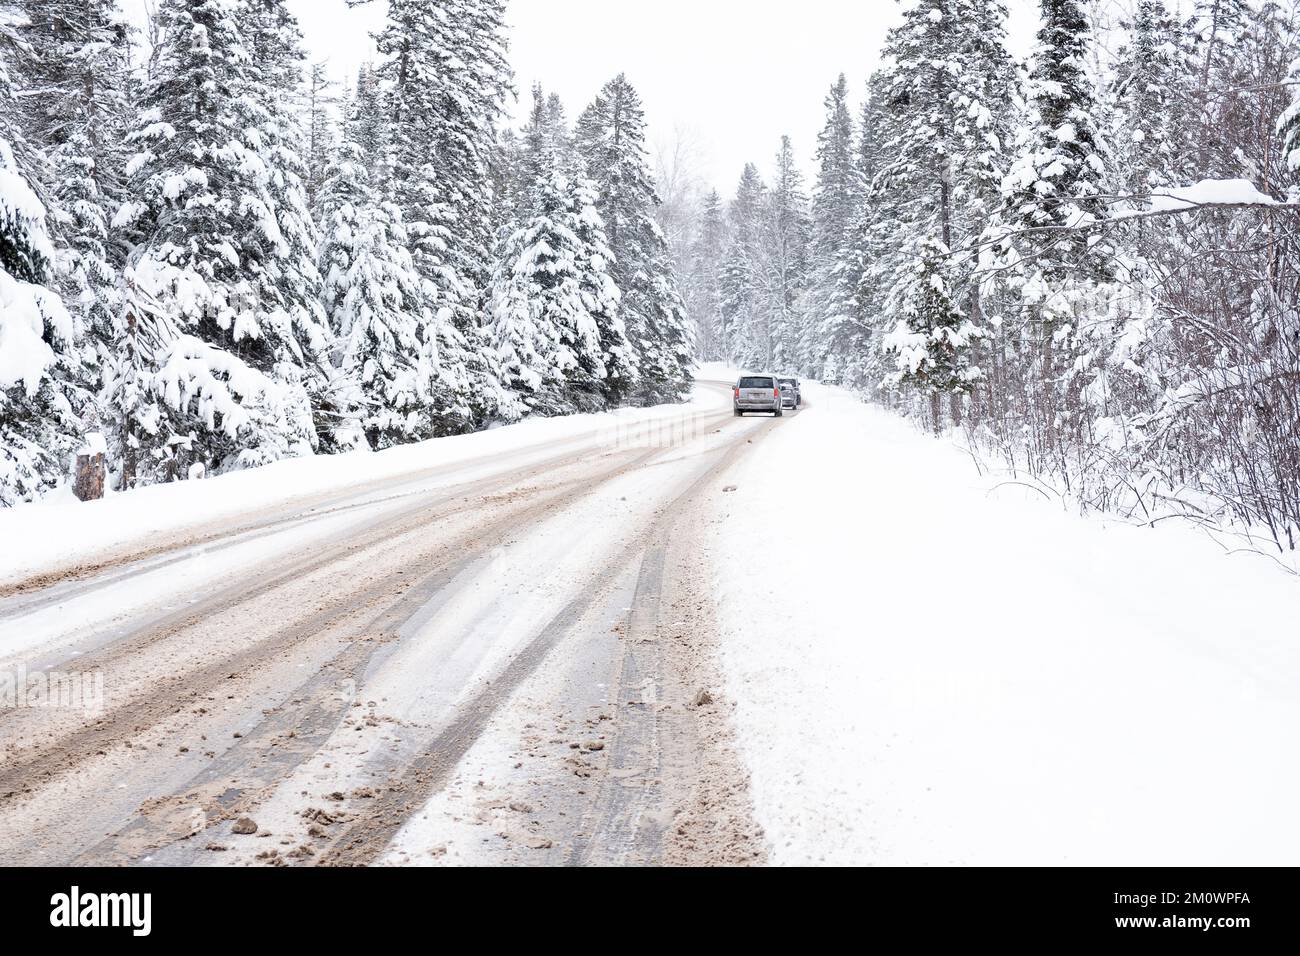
733, 75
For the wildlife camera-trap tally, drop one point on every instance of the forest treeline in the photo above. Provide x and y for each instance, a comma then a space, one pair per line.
215, 259
1088, 260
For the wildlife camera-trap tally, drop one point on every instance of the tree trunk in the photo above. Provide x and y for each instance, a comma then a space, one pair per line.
126, 480
89, 481
129, 453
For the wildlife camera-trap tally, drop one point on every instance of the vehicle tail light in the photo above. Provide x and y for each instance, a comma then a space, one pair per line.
735, 392
776, 393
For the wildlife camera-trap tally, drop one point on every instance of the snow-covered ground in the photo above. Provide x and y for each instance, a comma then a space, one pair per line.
60, 530
928, 671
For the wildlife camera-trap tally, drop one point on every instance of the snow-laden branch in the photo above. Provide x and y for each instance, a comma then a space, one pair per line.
1218, 193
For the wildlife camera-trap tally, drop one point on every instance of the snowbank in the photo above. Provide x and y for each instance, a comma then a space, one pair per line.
60, 530
943, 674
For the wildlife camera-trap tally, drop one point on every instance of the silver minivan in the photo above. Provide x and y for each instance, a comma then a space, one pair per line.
757, 393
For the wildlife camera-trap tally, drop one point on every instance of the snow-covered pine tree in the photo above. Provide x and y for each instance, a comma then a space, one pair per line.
445, 80
1148, 102
784, 244
1058, 266
506, 179
292, 283
946, 100
742, 282
930, 345
75, 117
554, 304
320, 100
557, 129
989, 107
545, 335
543, 144
836, 194
869, 158
601, 297
38, 428
474, 94
610, 138
219, 248
134, 406
847, 300
1059, 166
704, 280
371, 291
370, 128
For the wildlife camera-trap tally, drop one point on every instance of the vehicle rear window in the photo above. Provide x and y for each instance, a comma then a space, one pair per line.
755, 381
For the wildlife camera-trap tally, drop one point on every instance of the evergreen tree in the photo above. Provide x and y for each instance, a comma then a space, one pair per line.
837, 193
220, 252
368, 127
319, 146
931, 343
704, 286
1059, 166
507, 180
542, 144
554, 304
945, 105
785, 242
476, 86
610, 138
1148, 102
371, 292
869, 158
544, 327
76, 67
601, 297
557, 131
742, 281
444, 78
38, 429
292, 280
844, 299
1054, 263
947, 99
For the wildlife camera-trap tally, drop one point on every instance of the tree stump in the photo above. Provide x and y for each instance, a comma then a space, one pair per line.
89, 482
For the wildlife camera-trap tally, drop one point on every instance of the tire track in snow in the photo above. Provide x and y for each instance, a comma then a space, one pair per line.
98, 572
366, 837
22, 773
47, 588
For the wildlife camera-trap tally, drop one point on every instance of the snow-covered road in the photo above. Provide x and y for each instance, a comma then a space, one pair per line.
945, 673
318, 654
